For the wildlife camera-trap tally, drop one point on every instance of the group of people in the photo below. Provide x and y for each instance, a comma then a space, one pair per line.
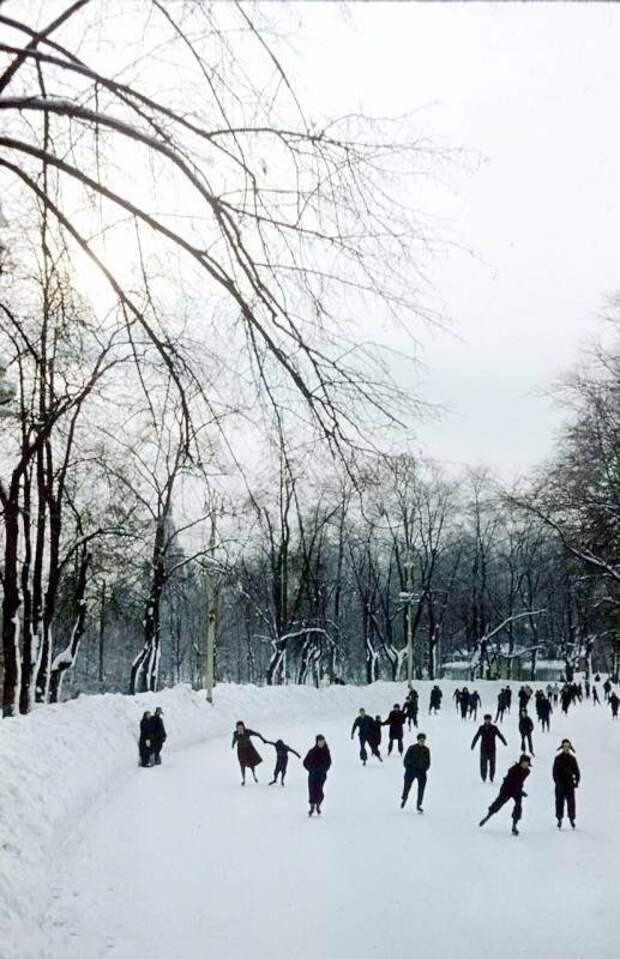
152, 737
467, 702
317, 761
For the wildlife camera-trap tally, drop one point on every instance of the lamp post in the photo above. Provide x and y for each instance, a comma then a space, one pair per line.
408, 598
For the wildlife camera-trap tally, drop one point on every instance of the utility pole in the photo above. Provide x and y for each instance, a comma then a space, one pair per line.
212, 598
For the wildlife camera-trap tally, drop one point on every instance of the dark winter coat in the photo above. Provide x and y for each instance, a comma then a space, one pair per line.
282, 750
566, 771
317, 762
146, 730
526, 725
374, 737
513, 781
487, 736
417, 759
544, 709
246, 752
396, 720
365, 725
158, 730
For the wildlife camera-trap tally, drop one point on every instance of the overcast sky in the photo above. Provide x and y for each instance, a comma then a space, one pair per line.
535, 89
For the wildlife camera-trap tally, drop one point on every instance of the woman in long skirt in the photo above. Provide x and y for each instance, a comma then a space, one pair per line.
317, 762
246, 752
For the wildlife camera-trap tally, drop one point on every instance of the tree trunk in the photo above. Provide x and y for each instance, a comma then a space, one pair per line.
66, 659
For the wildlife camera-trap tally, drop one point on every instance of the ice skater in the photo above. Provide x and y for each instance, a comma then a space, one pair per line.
396, 722
435, 700
317, 762
247, 754
511, 788
526, 727
411, 708
544, 710
487, 734
613, 702
566, 777
282, 751
474, 703
417, 763
365, 726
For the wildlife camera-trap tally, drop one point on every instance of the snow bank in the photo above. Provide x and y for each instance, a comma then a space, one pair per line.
65, 758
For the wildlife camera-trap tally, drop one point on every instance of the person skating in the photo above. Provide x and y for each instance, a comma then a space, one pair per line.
435, 700
613, 702
417, 762
375, 741
158, 734
456, 696
145, 742
607, 688
464, 702
487, 734
411, 708
247, 754
474, 703
317, 762
566, 777
526, 728
502, 705
365, 725
545, 709
596, 699
282, 751
511, 788
396, 722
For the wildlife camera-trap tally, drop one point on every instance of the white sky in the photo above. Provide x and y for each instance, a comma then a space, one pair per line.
535, 88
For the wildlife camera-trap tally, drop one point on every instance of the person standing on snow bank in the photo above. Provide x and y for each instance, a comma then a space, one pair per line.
613, 702
246, 753
417, 762
158, 734
366, 728
145, 743
566, 777
511, 788
282, 751
487, 734
317, 762
396, 721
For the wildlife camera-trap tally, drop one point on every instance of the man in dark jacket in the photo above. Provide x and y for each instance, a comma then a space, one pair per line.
526, 727
417, 762
317, 762
158, 734
566, 778
487, 734
544, 711
396, 721
511, 788
614, 702
435, 700
502, 705
365, 725
464, 702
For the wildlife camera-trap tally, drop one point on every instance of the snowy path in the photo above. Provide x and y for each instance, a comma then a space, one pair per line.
185, 863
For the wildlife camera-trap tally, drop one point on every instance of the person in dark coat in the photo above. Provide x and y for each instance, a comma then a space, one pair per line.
474, 703
375, 741
411, 708
396, 721
158, 734
566, 777
613, 702
596, 699
435, 700
487, 734
317, 762
417, 762
365, 725
246, 752
456, 696
464, 702
545, 709
145, 742
282, 751
501, 706
607, 688
526, 727
511, 788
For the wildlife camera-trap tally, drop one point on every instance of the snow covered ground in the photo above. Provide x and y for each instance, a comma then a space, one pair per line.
104, 859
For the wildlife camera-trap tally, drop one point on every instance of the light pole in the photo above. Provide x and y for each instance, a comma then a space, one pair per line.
408, 597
